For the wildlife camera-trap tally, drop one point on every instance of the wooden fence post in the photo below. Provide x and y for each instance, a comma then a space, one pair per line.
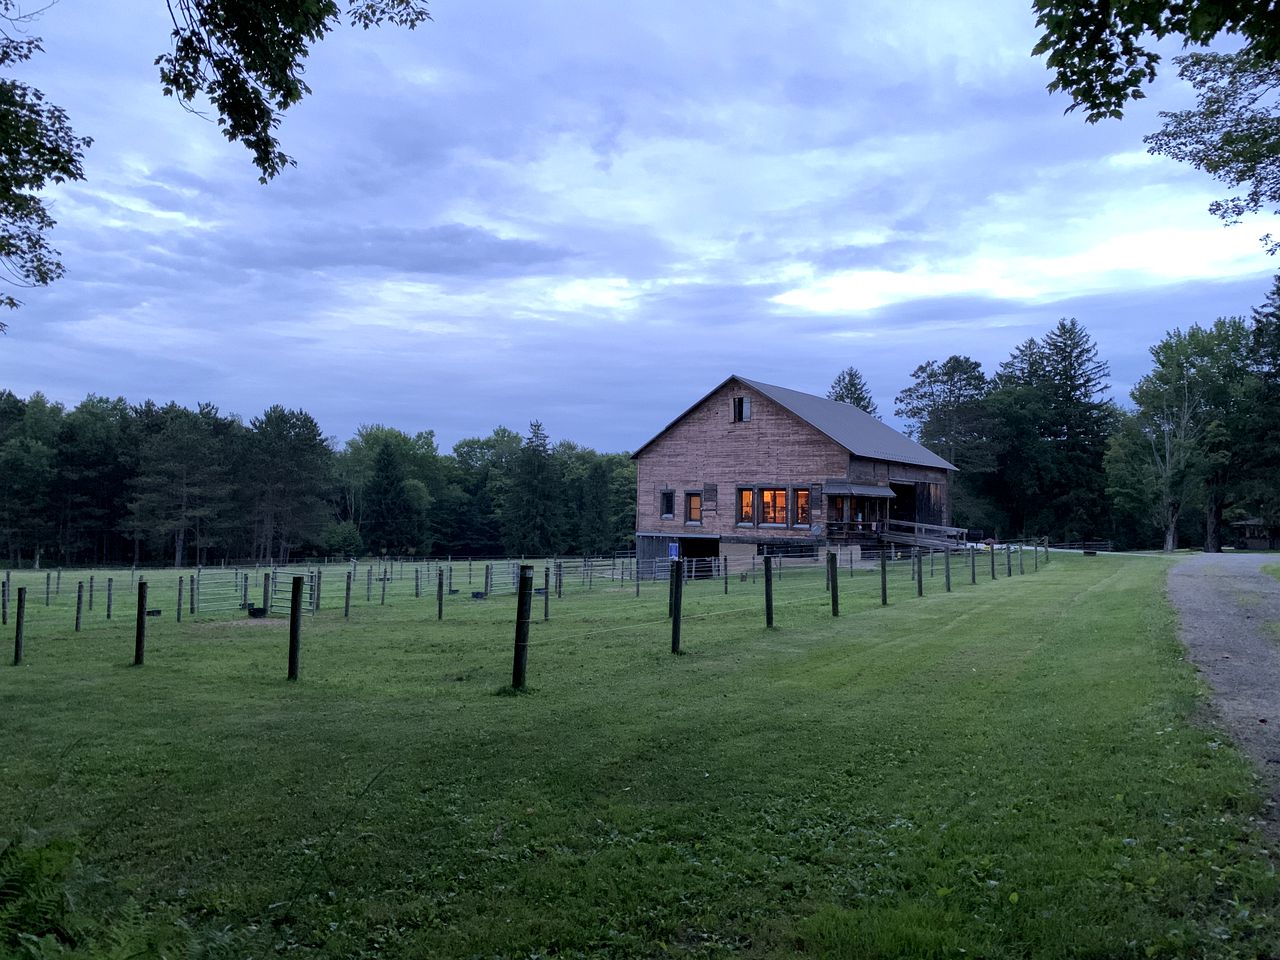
266, 593
439, 593
768, 590
884, 576
20, 616
524, 601
946, 566
346, 599
973, 564
919, 575
724, 568
181, 583
4, 602
546, 593
91, 593
677, 597
79, 602
57, 586
1008, 559
315, 590
140, 627
833, 576
295, 627
417, 582
671, 589
993, 561
1035, 557
192, 598
386, 575
48, 580
1022, 560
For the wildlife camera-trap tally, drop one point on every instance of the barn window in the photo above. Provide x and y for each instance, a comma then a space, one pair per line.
668, 504
746, 512
693, 508
741, 409
773, 506
802, 508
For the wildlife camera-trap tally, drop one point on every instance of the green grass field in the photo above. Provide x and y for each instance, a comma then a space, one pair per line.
1011, 770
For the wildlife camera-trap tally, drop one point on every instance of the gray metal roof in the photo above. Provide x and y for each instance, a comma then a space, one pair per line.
855, 430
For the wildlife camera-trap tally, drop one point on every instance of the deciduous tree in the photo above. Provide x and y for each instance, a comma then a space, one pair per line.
1232, 133
1098, 51
37, 148
246, 59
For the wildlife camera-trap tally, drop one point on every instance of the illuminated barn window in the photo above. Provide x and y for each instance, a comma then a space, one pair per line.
746, 513
693, 508
773, 506
802, 508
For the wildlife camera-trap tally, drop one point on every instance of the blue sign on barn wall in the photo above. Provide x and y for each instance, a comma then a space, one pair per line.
673, 551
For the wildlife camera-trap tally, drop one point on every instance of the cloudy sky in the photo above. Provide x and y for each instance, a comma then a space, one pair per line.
591, 213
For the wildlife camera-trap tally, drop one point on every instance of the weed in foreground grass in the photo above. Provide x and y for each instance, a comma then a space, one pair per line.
1009, 770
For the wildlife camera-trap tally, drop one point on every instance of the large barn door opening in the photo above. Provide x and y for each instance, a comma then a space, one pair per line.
699, 554
903, 505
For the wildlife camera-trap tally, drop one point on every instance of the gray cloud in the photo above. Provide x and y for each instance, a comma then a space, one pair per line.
589, 228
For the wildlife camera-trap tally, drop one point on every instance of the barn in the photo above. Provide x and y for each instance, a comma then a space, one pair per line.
754, 468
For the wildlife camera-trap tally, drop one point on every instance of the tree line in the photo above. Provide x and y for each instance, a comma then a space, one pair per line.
107, 482
1040, 446
1042, 449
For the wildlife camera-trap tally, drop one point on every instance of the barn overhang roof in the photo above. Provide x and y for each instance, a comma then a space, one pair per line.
843, 488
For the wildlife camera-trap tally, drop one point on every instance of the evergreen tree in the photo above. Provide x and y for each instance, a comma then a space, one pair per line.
531, 509
93, 471
1261, 430
944, 410
396, 504
28, 439
182, 486
1050, 421
291, 481
851, 387
483, 467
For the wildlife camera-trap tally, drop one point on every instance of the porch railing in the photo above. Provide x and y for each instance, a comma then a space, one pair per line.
843, 529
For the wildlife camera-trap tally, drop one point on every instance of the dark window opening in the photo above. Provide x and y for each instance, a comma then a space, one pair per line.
668, 508
741, 409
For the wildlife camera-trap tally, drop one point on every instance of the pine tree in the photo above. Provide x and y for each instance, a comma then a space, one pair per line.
851, 387
531, 502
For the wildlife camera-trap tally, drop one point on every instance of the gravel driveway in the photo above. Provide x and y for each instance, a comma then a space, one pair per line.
1230, 613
